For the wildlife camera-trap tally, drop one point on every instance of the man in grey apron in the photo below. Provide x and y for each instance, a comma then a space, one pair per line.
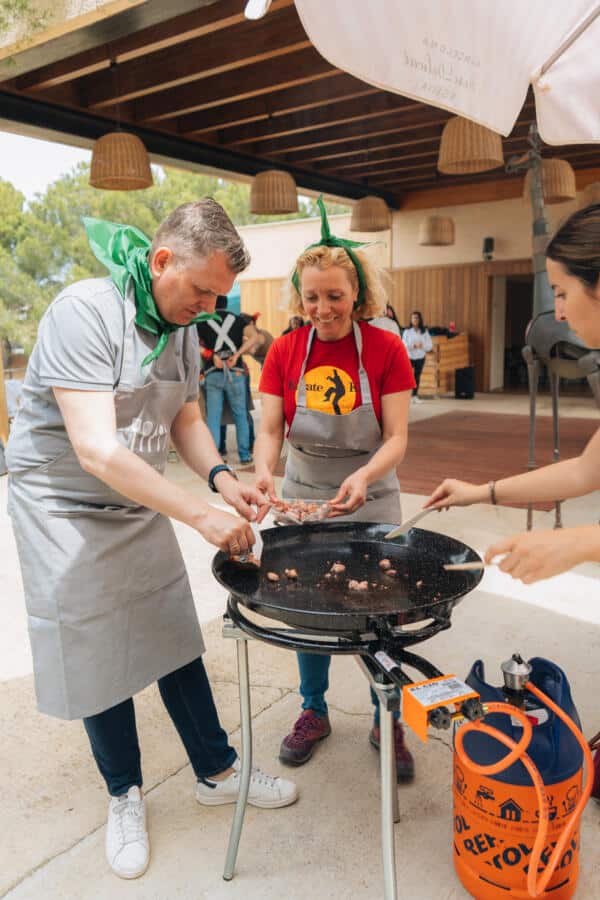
325, 452
112, 379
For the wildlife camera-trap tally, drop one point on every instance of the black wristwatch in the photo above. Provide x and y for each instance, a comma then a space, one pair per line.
222, 467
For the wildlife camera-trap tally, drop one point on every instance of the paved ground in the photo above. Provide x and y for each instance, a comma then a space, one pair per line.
327, 845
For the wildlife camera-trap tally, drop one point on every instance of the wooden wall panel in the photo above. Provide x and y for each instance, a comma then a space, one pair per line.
264, 296
444, 294
455, 293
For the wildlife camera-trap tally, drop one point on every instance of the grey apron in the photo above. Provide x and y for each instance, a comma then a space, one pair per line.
110, 608
325, 449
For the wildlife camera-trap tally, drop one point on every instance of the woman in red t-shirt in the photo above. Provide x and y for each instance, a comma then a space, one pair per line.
340, 389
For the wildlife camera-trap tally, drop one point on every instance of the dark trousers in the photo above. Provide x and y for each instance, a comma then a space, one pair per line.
417, 367
188, 698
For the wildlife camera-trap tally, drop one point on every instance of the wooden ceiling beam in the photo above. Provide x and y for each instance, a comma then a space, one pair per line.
374, 105
362, 146
372, 169
224, 50
328, 87
413, 120
199, 22
297, 67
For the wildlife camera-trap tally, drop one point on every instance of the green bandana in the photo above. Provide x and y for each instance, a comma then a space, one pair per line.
123, 249
330, 240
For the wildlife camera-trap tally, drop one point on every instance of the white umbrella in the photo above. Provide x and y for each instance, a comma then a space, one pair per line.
475, 58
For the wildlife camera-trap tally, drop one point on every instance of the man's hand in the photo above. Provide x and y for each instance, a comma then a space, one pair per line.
456, 493
229, 533
242, 497
535, 555
351, 495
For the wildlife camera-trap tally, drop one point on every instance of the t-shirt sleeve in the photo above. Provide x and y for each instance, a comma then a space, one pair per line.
398, 373
75, 347
272, 376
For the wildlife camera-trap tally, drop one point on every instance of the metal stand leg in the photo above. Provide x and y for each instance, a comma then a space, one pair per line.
246, 733
389, 702
554, 386
533, 373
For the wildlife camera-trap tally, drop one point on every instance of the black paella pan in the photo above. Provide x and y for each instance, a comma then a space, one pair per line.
320, 601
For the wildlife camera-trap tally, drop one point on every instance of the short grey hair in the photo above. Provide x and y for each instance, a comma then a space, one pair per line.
197, 229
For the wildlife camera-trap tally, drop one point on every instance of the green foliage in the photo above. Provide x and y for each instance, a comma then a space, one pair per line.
43, 245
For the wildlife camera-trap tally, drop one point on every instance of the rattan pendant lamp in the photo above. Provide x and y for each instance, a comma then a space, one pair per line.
558, 182
466, 148
273, 192
436, 231
370, 214
120, 160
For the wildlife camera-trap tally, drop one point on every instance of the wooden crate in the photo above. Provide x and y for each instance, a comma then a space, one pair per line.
448, 355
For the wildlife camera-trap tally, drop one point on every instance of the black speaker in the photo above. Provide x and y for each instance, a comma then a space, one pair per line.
464, 383
488, 248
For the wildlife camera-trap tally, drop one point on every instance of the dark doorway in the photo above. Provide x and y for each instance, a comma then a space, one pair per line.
519, 309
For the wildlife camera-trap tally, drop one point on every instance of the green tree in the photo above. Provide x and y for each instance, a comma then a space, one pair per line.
43, 246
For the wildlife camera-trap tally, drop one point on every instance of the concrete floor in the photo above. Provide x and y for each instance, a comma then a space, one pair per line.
326, 845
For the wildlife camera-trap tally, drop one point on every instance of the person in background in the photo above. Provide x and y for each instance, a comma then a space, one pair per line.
573, 264
224, 374
417, 341
341, 390
293, 323
388, 322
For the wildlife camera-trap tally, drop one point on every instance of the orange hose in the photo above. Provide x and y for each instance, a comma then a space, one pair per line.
534, 887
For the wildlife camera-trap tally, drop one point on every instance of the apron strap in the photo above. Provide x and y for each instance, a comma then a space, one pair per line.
365, 387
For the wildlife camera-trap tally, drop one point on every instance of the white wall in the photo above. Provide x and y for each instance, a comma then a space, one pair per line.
507, 221
275, 247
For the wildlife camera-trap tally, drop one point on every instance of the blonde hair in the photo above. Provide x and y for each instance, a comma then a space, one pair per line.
325, 257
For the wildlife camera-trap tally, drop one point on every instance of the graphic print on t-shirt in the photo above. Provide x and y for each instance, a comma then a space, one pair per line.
329, 390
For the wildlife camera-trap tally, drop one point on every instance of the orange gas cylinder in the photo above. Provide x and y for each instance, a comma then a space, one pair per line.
516, 813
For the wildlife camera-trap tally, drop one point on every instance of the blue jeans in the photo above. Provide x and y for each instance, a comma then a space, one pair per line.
314, 681
188, 698
231, 384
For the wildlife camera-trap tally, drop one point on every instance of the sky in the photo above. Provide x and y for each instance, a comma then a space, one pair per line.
31, 164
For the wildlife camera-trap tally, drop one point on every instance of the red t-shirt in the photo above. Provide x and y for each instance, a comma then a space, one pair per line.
332, 370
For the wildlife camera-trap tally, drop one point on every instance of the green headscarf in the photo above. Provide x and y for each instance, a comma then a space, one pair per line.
123, 249
330, 240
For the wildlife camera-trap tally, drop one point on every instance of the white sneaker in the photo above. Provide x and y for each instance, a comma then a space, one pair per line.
265, 791
417, 399
127, 845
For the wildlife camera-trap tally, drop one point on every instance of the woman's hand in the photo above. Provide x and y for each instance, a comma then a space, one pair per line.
265, 483
535, 555
217, 362
229, 533
351, 495
242, 497
457, 493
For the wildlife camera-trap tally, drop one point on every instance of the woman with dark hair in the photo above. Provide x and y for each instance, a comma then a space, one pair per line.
573, 264
417, 341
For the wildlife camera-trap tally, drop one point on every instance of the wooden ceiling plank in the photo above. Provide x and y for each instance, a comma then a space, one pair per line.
203, 57
329, 87
295, 68
375, 104
413, 120
189, 25
359, 146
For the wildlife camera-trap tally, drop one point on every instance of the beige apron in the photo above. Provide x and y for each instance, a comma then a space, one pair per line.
325, 449
109, 604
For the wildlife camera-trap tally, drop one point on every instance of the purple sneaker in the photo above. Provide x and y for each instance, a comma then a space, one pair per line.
298, 746
405, 765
